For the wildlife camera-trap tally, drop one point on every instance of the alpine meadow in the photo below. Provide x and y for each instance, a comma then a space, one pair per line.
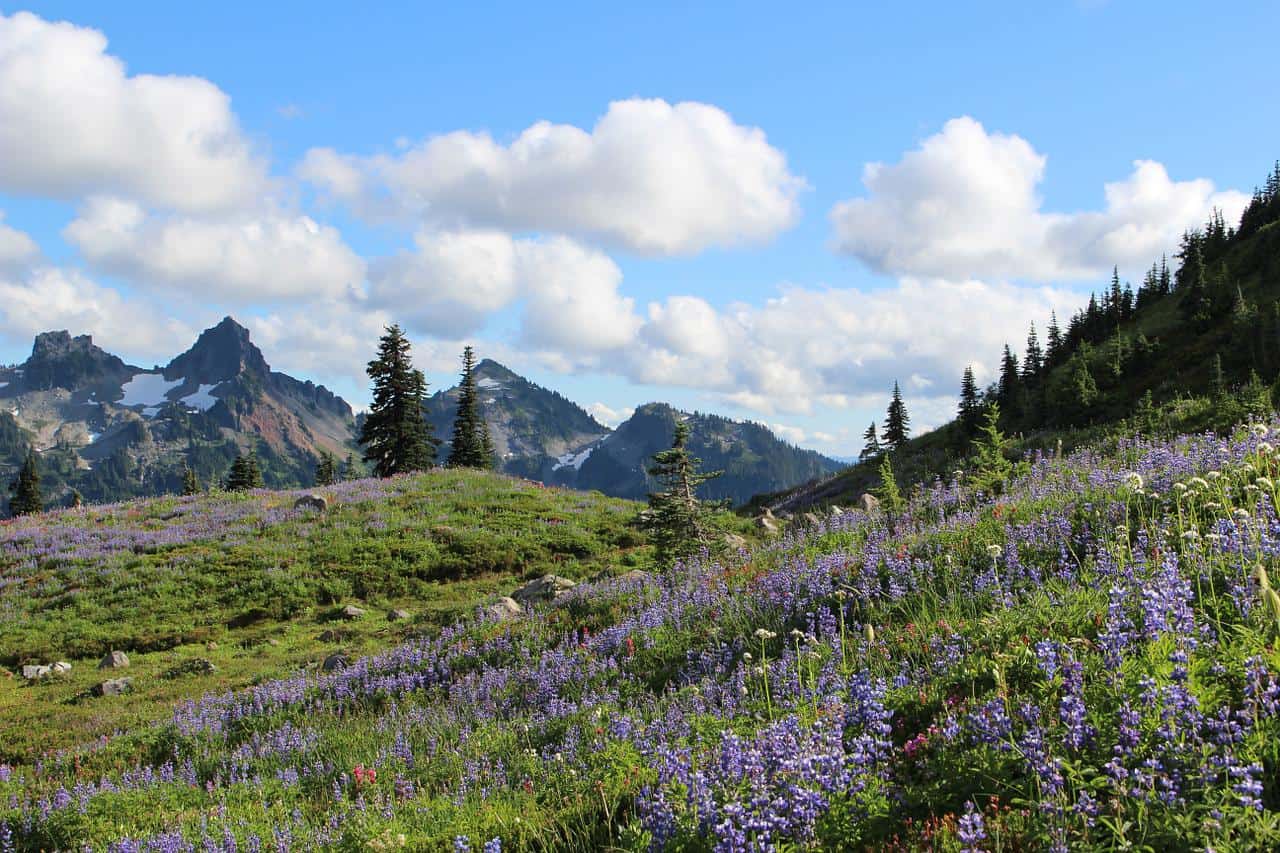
714, 427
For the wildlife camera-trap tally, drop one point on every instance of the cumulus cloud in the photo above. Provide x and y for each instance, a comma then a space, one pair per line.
836, 347
241, 258
73, 122
454, 281
965, 203
608, 415
651, 177
53, 298
17, 250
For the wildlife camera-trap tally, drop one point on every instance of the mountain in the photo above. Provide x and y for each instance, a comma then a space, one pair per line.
532, 427
111, 430
1196, 347
543, 436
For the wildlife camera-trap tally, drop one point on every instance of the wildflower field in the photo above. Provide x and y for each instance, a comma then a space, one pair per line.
1087, 661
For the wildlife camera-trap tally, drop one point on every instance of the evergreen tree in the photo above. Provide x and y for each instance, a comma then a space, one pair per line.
75, 499
326, 469
472, 447
1033, 361
396, 436
190, 483
1053, 354
349, 470
871, 444
970, 410
244, 474
677, 520
897, 425
27, 499
1195, 301
1256, 396
1083, 387
992, 467
1009, 380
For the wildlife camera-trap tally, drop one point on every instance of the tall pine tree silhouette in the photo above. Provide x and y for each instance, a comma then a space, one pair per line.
871, 444
472, 445
897, 425
970, 411
27, 499
677, 520
396, 437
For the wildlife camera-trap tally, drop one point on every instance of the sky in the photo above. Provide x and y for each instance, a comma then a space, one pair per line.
768, 212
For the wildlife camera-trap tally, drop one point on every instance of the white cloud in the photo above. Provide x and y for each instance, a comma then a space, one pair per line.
239, 258
608, 415
838, 347
455, 281
72, 122
17, 250
965, 204
651, 177
53, 298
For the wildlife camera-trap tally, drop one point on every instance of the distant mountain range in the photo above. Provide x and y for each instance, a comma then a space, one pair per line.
111, 430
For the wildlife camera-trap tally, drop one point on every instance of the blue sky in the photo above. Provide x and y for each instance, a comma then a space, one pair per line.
784, 286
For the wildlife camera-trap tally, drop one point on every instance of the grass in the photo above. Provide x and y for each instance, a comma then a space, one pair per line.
250, 585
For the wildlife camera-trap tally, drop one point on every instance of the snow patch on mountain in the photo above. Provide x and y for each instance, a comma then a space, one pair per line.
201, 398
573, 460
488, 382
148, 390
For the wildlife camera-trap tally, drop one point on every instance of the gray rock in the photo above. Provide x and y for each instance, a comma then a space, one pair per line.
195, 666
504, 608
311, 503
544, 588
60, 666
113, 687
34, 672
735, 542
811, 519
114, 660
835, 510
868, 503
334, 635
399, 615
352, 612
338, 660
766, 522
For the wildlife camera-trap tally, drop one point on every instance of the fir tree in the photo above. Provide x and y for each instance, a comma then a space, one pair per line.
889, 493
1009, 381
970, 410
75, 499
244, 474
677, 520
27, 499
1033, 361
349, 471
1053, 353
396, 436
326, 469
871, 444
472, 447
1217, 379
190, 482
897, 425
991, 466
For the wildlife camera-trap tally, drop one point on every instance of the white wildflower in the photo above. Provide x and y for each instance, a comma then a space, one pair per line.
1134, 480
1213, 475
1242, 515
1259, 430
1265, 449
746, 656
1179, 487
994, 551
1191, 535
1265, 483
764, 634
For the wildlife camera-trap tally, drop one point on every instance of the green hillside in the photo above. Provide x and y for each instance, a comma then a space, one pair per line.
1195, 347
250, 584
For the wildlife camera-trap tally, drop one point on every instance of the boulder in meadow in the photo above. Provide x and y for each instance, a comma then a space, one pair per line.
34, 672
311, 503
113, 687
335, 661
544, 588
398, 615
504, 608
351, 612
868, 502
114, 659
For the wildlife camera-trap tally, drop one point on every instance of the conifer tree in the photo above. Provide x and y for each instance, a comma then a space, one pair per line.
1033, 361
190, 482
472, 447
396, 436
1009, 380
677, 520
897, 425
245, 473
991, 466
1217, 380
871, 444
27, 499
75, 499
349, 471
326, 469
970, 403
1053, 354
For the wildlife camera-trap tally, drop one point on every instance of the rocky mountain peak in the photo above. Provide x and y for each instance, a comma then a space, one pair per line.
220, 353
59, 360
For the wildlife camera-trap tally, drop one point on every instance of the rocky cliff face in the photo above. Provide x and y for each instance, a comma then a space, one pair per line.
111, 430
